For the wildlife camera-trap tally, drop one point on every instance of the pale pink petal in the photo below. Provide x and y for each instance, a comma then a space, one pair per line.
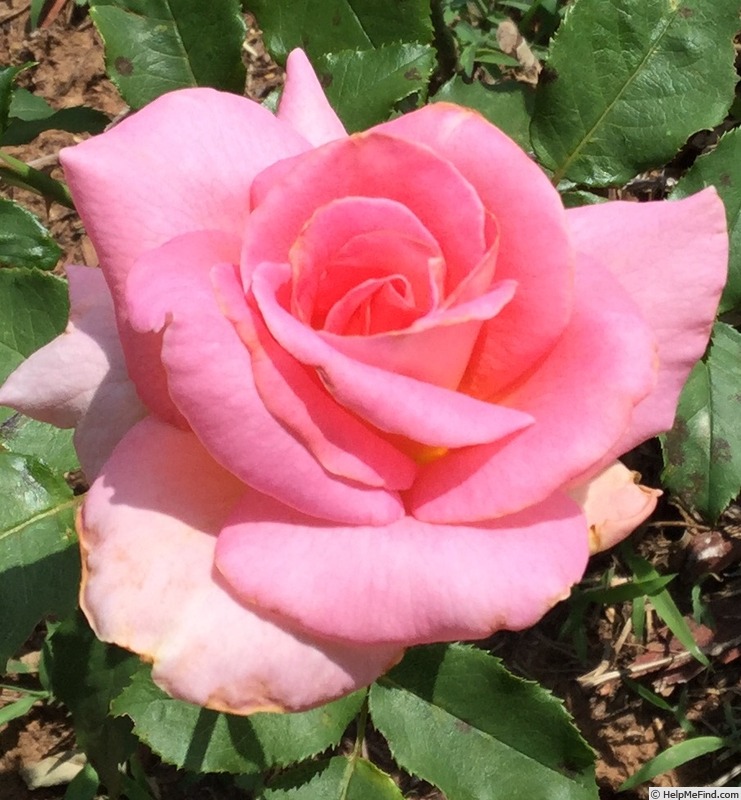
142, 338
183, 163
295, 396
534, 249
286, 196
394, 403
581, 397
303, 105
480, 279
210, 380
410, 582
57, 382
672, 258
79, 379
147, 532
615, 504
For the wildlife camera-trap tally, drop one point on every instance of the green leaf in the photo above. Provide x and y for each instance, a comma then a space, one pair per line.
628, 81
454, 716
30, 115
647, 694
77, 119
136, 783
362, 86
24, 241
18, 709
702, 452
84, 786
610, 595
326, 26
201, 740
7, 77
33, 310
508, 105
53, 446
39, 561
663, 603
27, 106
36, 9
674, 757
86, 675
155, 46
638, 617
577, 197
722, 168
340, 778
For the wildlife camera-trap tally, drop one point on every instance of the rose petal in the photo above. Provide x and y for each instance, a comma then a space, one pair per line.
354, 238
615, 504
367, 165
375, 306
79, 378
210, 380
427, 414
295, 396
149, 585
303, 104
449, 334
534, 249
671, 257
409, 581
581, 397
45, 386
183, 163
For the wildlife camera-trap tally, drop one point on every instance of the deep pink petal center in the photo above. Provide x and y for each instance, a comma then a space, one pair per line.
358, 241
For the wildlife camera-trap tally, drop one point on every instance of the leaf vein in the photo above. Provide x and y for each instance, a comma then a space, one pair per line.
561, 171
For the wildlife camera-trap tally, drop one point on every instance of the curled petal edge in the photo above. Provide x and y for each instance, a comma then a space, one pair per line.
615, 504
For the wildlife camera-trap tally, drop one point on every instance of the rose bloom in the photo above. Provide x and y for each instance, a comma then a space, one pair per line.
339, 395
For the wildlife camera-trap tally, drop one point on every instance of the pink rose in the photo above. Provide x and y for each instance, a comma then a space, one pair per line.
338, 395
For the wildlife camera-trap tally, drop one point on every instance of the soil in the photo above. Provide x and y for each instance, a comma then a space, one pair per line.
625, 730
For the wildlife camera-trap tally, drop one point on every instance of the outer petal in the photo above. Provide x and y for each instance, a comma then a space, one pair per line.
149, 585
615, 504
79, 379
210, 380
534, 249
183, 163
581, 397
303, 104
410, 581
672, 258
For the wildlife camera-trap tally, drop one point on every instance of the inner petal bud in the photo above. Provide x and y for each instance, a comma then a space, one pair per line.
352, 241
375, 306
